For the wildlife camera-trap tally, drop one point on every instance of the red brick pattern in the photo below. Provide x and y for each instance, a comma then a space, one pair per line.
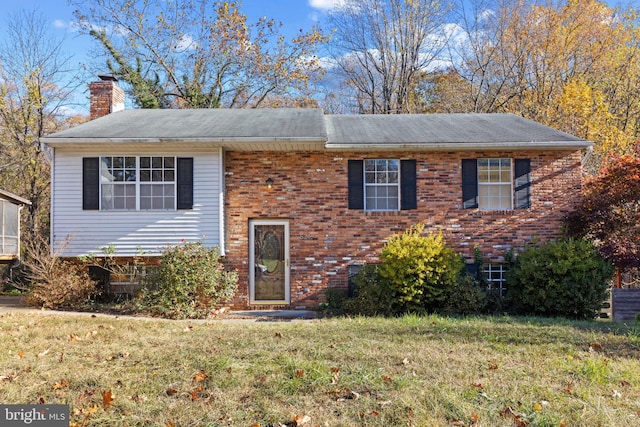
310, 190
104, 95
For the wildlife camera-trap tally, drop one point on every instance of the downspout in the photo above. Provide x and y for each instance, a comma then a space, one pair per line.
50, 154
221, 200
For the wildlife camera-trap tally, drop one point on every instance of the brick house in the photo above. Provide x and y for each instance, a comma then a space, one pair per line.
297, 199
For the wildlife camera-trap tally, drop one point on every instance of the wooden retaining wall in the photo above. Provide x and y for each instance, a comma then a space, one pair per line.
625, 304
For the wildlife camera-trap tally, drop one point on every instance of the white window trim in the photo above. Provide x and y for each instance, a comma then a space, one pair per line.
366, 185
500, 282
137, 183
501, 183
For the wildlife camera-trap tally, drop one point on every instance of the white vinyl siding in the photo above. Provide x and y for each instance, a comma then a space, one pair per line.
131, 232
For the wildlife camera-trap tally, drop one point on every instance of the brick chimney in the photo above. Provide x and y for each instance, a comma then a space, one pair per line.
106, 97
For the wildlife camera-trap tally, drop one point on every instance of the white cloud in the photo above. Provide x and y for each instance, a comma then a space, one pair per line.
325, 4
59, 23
185, 42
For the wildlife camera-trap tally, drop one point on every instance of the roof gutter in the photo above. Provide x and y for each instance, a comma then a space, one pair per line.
57, 142
463, 146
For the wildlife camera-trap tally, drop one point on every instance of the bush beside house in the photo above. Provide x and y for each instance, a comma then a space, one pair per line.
565, 278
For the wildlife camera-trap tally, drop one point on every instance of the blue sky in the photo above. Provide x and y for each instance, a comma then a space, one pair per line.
294, 15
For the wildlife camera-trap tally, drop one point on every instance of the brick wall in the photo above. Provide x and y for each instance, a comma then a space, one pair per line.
105, 97
310, 190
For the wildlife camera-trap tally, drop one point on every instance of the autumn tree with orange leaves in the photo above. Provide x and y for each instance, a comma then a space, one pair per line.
200, 53
610, 212
572, 65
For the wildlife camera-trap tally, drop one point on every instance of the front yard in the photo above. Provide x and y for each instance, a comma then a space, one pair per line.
416, 371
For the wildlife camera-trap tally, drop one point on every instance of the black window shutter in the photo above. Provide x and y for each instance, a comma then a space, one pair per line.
185, 183
356, 184
408, 187
522, 169
469, 183
90, 183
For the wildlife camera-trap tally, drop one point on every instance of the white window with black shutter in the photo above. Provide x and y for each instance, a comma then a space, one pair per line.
382, 184
137, 183
496, 183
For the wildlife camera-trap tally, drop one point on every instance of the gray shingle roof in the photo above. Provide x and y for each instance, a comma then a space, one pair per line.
439, 129
212, 124
251, 129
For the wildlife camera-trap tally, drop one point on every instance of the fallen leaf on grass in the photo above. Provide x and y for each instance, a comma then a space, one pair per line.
171, 391
60, 384
405, 361
20, 354
107, 398
195, 393
594, 346
301, 420
492, 365
387, 379
456, 423
568, 388
537, 407
299, 373
509, 414
44, 353
335, 373
348, 395
138, 398
200, 377
74, 338
474, 419
625, 383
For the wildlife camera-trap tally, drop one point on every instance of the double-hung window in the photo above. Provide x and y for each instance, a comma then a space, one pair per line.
137, 183
382, 185
157, 182
496, 183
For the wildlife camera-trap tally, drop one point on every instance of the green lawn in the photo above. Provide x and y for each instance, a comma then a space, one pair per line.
410, 371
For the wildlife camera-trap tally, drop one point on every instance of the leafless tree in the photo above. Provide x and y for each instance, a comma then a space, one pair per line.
380, 47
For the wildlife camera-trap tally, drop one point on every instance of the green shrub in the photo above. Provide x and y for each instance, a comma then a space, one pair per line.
373, 296
566, 278
418, 270
465, 296
188, 282
334, 301
417, 273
